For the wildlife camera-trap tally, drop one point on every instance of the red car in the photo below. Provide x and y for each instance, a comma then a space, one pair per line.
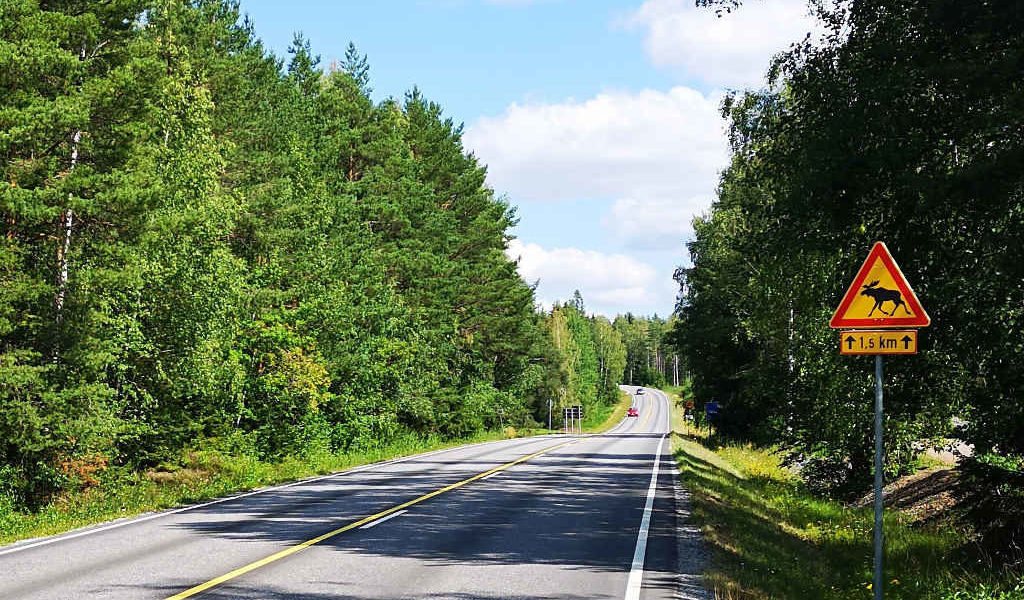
632, 412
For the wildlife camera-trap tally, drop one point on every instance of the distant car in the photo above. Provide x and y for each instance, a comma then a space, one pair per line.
632, 412
639, 390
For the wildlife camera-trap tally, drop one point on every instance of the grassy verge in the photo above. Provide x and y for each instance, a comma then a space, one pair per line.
675, 392
606, 417
204, 474
769, 538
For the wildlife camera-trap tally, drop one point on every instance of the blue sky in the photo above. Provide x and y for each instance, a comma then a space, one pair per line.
597, 118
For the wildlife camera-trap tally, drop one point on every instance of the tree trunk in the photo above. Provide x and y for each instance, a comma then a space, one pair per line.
67, 219
64, 228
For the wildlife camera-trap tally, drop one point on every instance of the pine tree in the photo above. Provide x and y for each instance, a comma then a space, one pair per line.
357, 67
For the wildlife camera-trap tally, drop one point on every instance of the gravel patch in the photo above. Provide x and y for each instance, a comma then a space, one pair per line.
690, 548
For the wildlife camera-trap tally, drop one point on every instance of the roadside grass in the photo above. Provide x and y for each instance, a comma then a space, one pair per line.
605, 417
206, 473
771, 539
202, 474
676, 392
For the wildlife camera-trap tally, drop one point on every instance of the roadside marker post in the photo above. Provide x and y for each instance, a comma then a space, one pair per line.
864, 305
572, 418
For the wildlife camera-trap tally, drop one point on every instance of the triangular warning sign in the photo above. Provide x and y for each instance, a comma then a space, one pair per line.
879, 296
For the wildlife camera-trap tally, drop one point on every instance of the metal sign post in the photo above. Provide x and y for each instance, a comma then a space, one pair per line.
878, 477
572, 419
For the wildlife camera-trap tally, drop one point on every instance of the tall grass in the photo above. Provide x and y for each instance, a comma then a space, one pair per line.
605, 417
201, 474
771, 539
215, 470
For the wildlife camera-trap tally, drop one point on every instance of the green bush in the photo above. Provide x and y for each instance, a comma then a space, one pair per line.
988, 592
993, 492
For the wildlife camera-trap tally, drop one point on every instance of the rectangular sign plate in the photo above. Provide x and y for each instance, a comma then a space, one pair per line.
895, 341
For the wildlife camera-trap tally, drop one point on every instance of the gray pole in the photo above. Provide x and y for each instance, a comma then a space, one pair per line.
878, 477
549, 414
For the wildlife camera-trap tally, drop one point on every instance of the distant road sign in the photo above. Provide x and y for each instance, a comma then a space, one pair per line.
711, 409
879, 296
889, 341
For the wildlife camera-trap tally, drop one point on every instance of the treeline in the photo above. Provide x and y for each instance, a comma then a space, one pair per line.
590, 356
202, 241
652, 355
906, 125
595, 354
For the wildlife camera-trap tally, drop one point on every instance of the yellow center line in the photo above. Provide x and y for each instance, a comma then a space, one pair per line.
299, 547
650, 410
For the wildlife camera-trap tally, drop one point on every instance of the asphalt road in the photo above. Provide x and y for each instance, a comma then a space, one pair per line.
549, 517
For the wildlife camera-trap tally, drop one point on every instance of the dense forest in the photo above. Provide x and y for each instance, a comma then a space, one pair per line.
203, 241
652, 357
599, 354
906, 125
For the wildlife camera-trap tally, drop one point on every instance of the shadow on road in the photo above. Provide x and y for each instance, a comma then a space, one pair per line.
574, 511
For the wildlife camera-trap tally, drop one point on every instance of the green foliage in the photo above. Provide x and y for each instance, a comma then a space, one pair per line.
771, 538
611, 357
585, 365
651, 354
584, 360
988, 592
201, 243
213, 468
993, 492
903, 126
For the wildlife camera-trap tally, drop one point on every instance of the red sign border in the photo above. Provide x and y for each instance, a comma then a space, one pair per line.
880, 251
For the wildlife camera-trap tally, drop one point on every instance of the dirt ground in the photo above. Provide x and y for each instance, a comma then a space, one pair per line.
923, 495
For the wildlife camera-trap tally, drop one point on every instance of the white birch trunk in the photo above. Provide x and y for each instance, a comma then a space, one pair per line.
66, 223
64, 229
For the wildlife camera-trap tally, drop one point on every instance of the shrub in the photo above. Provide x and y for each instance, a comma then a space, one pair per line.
994, 493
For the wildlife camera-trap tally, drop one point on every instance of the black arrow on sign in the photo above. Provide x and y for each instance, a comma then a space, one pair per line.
849, 342
906, 342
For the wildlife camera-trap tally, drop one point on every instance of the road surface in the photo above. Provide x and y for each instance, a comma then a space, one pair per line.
548, 517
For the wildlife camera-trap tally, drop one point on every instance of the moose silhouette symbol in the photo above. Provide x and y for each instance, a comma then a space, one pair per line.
881, 296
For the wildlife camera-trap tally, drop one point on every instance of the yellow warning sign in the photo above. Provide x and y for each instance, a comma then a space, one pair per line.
880, 296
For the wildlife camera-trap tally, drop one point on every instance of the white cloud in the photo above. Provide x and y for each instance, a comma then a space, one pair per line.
610, 283
615, 145
733, 50
655, 223
657, 154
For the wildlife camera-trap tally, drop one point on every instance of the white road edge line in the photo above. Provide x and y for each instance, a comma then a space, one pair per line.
20, 547
381, 520
489, 476
636, 573
166, 513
